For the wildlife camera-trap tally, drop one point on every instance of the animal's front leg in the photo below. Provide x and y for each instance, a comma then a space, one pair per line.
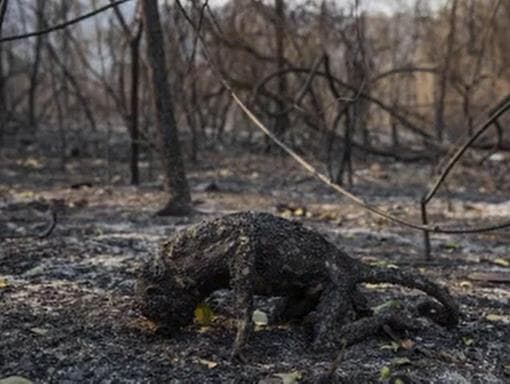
242, 270
333, 311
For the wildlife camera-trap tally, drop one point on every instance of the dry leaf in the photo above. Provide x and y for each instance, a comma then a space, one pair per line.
208, 363
495, 277
15, 380
496, 317
26, 194
3, 282
286, 214
501, 262
299, 212
400, 361
407, 344
383, 264
39, 331
289, 378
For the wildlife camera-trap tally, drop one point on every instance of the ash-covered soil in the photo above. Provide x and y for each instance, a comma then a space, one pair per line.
66, 301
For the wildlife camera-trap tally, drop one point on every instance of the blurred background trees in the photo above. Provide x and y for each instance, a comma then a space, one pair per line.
336, 80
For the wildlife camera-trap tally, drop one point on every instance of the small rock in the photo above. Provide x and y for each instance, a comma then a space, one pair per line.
75, 375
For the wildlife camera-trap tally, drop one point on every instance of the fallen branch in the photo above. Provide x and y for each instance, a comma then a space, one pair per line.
41, 235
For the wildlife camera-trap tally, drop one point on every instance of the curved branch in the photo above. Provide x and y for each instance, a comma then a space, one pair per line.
63, 25
396, 71
460, 151
403, 120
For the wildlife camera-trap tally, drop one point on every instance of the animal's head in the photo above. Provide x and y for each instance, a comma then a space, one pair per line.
164, 299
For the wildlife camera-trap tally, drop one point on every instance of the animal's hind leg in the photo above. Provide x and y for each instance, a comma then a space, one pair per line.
360, 304
241, 272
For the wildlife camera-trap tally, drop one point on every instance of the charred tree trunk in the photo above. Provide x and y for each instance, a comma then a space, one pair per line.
67, 75
134, 103
34, 74
282, 121
3, 107
443, 76
346, 161
3, 10
132, 122
179, 202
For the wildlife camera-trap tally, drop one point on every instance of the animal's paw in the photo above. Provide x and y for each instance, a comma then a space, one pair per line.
237, 357
324, 342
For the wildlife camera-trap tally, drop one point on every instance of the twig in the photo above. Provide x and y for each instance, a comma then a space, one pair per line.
51, 227
3, 11
492, 118
197, 29
300, 94
402, 119
42, 235
63, 25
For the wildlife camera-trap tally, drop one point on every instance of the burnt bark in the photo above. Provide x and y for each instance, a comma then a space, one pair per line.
3, 106
445, 72
134, 46
34, 73
282, 120
179, 201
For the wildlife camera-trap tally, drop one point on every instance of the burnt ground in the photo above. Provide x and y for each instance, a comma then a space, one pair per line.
66, 301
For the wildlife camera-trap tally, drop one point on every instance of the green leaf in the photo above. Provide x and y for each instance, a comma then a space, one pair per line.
390, 304
385, 373
452, 245
289, 378
203, 314
400, 361
393, 346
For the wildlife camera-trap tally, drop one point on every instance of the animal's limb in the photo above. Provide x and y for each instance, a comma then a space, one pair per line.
334, 310
360, 304
356, 331
242, 283
416, 281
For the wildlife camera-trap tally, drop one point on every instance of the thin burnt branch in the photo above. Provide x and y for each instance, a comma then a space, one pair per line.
63, 25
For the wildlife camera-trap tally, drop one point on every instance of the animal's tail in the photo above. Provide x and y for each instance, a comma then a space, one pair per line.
414, 280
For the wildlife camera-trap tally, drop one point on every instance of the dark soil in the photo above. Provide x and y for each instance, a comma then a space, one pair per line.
66, 301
